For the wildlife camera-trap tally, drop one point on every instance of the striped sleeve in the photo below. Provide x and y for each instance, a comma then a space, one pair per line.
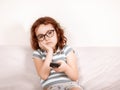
67, 49
37, 54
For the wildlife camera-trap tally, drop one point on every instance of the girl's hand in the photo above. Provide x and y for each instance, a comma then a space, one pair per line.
62, 67
46, 47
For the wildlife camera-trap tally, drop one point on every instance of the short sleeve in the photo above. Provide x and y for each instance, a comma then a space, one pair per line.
36, 54
67, 49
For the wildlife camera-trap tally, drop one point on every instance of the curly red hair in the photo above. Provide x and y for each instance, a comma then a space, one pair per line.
62, 40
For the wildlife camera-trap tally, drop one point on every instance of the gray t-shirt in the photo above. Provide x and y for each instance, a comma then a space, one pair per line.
54, 77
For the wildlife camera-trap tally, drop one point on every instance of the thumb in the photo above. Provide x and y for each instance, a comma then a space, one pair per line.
60, 61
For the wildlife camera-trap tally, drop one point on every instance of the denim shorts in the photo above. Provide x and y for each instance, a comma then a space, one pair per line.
64, 86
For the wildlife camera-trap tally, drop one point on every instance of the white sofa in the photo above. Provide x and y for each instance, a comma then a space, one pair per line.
99, 68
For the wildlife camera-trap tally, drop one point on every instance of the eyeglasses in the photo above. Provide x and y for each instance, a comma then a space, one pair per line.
48, 34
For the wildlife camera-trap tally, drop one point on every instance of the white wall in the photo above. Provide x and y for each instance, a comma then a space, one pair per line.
86, 22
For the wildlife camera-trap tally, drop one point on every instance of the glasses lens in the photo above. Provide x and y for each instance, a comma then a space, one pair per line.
50, 33
40, 37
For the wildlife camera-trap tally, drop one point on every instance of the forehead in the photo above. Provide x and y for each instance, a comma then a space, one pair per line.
42, 29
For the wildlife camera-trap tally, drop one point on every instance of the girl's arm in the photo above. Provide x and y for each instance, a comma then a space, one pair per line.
70, 68
42, 66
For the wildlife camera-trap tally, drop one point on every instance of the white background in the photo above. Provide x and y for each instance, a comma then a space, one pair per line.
86, 22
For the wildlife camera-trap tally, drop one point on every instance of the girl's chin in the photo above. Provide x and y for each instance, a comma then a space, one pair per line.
53, 48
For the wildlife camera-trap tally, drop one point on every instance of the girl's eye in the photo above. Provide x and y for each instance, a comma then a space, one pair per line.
50, 32
40, 37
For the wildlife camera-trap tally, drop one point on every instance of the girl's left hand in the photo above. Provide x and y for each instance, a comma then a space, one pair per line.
62, 67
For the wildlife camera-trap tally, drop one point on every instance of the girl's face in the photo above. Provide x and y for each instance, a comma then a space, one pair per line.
46, 34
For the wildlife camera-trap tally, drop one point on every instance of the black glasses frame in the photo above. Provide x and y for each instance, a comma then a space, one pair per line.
42, 37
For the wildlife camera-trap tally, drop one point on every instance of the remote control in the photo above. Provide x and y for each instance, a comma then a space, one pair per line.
54, 65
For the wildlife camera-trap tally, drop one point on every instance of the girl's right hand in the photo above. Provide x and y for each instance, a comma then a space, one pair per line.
46, 47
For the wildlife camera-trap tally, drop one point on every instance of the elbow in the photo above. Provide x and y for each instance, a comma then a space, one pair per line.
75, 78
43, 77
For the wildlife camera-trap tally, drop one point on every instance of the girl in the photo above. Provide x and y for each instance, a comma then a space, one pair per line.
54, 60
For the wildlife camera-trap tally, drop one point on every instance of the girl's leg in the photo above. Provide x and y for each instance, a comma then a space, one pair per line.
75, 88
56, 87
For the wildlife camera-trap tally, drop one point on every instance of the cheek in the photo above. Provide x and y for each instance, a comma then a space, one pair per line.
40, 44
55, 39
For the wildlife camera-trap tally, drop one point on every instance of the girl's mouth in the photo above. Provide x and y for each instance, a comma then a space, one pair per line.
49, 43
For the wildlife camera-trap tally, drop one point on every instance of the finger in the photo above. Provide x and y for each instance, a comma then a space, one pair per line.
60, 61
